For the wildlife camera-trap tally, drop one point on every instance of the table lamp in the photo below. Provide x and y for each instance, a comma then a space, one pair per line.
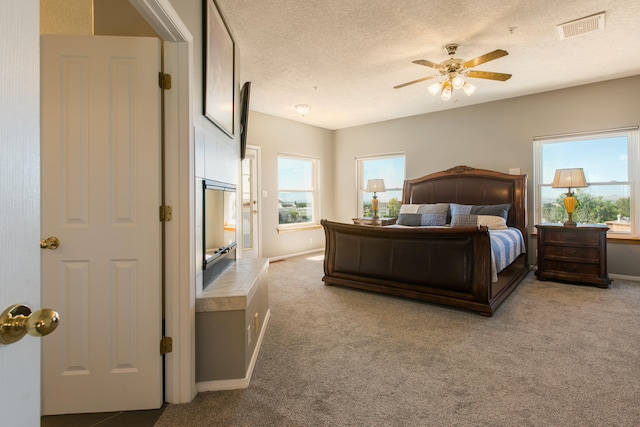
570, 178
375, 186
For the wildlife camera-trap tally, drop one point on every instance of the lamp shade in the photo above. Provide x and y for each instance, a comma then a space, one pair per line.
569, 178
375, 185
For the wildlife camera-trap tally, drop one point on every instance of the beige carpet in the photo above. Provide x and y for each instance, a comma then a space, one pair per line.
552, 355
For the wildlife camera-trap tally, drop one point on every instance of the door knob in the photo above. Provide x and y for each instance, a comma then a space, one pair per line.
50, 243
18, 320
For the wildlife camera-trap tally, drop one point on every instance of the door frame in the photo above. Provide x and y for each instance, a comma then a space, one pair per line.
180, 281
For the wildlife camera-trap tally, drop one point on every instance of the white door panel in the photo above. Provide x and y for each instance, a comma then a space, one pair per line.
100, 197
250, 205
20, 195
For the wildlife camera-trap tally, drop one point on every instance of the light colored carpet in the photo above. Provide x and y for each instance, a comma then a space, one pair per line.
552, 355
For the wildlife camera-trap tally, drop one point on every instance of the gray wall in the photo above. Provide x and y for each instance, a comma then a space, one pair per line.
497, 135
281, 136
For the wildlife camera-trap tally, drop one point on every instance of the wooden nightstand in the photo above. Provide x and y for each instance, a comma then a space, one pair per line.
375, 222
573, 254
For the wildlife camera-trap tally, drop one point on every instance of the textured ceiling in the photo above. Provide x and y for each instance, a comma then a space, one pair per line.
343, 57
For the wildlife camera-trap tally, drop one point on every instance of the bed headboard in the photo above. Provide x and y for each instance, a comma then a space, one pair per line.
469, 186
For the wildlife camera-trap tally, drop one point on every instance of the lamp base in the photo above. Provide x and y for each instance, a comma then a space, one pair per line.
570, 204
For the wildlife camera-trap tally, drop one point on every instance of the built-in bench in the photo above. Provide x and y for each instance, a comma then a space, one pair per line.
231, 318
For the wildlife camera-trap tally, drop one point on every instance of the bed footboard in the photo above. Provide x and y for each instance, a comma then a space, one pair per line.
451, 266
447, 266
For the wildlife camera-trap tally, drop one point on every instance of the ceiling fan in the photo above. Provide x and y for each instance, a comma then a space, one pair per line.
456, 69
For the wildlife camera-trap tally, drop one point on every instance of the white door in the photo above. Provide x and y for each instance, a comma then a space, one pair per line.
101, 196
250, 205
20, 196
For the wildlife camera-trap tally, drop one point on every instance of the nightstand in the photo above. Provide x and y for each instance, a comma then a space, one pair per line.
374, 222
573, 254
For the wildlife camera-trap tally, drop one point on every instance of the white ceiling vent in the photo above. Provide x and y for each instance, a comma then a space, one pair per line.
580, 26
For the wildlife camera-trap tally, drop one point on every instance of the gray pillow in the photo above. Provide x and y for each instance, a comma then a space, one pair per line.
493, 216
428, 215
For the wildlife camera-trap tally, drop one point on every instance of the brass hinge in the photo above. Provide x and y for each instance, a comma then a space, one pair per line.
164, 80
166, 213
166, 345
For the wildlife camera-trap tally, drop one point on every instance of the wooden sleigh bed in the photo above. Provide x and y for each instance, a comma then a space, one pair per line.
450, 265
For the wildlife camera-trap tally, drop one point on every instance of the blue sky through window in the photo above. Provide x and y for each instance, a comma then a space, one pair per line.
603, 159
391, 169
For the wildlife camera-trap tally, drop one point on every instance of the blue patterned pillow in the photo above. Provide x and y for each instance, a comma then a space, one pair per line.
492, 216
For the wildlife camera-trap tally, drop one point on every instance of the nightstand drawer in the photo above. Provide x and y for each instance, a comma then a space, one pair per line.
572, 267
579, 252
575, 237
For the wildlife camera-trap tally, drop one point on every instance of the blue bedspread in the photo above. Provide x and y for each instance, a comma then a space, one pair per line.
506, 246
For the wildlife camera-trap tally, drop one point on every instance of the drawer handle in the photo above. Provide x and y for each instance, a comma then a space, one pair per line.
570, 251
571, 236
569, 267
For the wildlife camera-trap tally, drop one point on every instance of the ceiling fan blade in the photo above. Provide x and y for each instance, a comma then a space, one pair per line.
488, 75
498, 53
427, 63
415, 81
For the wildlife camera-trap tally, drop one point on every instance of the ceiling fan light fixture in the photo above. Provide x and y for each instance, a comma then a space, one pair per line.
457, 82
454, 70
468, 88
435, 88
446, 91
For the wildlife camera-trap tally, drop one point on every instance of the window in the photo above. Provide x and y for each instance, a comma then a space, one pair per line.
610, 163
390, 168
297, 191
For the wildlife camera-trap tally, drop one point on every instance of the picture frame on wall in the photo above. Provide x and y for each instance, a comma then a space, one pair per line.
218, 72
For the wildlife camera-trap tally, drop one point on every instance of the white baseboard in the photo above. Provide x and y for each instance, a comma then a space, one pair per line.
239, 383
281, 257
624, 277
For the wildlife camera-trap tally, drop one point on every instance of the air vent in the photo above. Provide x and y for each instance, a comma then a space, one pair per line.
581, 26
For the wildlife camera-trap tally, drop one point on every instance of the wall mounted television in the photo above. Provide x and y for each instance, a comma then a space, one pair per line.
218, 228
245, 99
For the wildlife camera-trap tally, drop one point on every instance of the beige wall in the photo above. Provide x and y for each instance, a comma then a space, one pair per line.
275, 135
497, 135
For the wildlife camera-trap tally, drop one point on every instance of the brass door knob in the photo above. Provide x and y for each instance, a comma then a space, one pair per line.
18, 320
50, 243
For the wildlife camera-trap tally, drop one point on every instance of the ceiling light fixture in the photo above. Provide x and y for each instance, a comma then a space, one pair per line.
447, 88
456, 70
454, 81
303, 109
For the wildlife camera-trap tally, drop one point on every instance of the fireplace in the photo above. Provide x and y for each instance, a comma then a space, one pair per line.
218, 229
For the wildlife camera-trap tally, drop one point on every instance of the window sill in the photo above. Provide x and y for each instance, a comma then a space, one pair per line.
299, 228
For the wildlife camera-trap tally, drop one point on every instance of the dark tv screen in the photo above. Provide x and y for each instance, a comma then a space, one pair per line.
245, 95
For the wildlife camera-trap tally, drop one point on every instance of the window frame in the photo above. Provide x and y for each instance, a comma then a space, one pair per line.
633, 164
361, 185
315, 191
